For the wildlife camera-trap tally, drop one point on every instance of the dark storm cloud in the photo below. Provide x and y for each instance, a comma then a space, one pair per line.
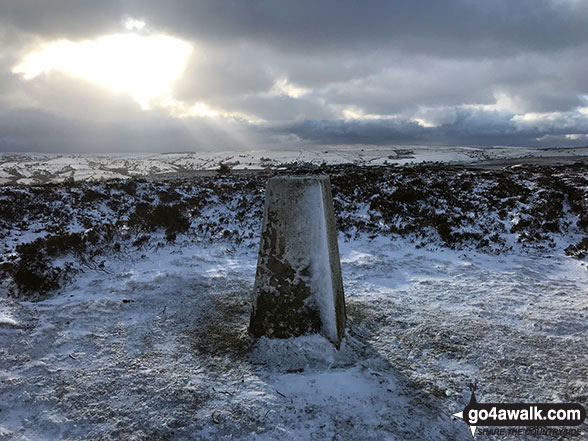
454, 28
469, 128
332, 71
25, 130
306, 25
430, 26
68, 115
62, 18
52, 133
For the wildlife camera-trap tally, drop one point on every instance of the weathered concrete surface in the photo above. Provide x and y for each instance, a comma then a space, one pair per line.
298, 285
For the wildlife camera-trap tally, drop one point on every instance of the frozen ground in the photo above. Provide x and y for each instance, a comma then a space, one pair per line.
147, 340
156, 348
33, 168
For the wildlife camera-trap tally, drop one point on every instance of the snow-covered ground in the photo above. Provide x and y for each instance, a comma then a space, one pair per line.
37, 168
148, 340
156, 348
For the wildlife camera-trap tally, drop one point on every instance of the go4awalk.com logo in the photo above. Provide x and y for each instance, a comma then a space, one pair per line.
523, 418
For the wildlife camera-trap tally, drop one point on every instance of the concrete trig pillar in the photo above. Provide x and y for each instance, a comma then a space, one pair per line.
298, 286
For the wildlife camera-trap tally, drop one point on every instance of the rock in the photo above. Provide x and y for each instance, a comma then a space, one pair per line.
298, 286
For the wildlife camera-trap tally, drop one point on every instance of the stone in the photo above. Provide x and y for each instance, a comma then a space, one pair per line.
298, 285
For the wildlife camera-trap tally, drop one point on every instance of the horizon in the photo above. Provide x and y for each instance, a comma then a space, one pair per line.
332, 148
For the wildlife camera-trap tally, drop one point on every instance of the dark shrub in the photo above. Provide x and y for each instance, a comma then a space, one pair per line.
33, 272
224, 169
141, 240
580, 250
151, 218
53, 245
408, 195
92, 196
167, 196
129, 187
36, 276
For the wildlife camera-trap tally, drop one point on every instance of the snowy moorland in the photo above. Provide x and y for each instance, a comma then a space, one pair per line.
40, 168
124, 305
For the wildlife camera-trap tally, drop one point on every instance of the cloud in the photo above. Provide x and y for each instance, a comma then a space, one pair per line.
449, 28
286, 73
144, 66
468, 126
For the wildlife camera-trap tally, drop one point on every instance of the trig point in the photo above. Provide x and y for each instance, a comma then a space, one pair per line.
298, 286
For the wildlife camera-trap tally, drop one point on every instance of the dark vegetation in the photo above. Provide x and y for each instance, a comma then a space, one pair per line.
224, 169
73, 226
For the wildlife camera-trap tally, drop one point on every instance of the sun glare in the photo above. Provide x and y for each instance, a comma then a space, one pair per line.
142, 65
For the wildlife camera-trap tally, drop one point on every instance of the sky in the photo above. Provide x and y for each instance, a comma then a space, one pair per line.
210, 75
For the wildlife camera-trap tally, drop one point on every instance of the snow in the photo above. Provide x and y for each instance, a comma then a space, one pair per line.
160, 364
35, 168
311, 202
154, 344
6, 319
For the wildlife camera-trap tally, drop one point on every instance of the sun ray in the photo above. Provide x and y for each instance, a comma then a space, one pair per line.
142, 65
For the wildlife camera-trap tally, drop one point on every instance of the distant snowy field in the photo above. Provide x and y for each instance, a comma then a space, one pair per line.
28, 168
142, 334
